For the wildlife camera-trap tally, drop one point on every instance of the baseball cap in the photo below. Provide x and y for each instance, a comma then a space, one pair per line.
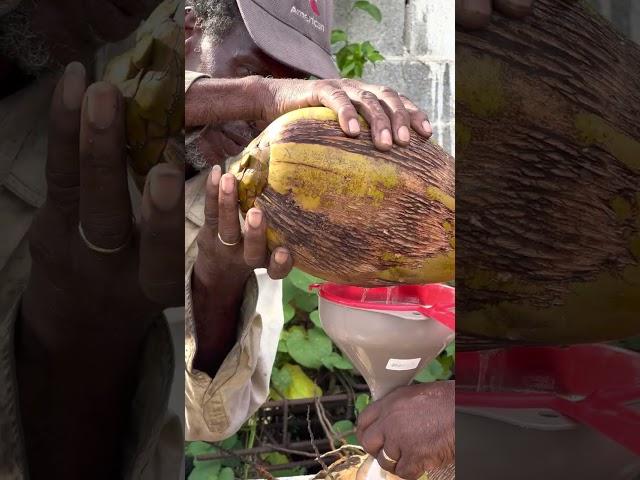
297, 33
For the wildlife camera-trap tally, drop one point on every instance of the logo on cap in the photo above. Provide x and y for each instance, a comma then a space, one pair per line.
314, 7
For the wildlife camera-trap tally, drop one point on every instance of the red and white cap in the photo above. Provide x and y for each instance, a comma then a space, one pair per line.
297, 33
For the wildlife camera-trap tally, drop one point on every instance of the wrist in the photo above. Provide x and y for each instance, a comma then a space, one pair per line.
260, 91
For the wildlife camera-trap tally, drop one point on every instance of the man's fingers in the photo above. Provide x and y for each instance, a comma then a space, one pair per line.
369, 107
105, 207
62, 170
255, 239
337, 100
396, 111
368, 416
407, 469
419, 120
473, 14
228, 218
212, 192
385, 456
280, 263
372, 440
161, 269
514, 8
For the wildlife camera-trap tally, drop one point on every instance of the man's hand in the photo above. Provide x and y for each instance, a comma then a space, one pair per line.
475, 14
415, 425
98, 278
226, 258
389, 114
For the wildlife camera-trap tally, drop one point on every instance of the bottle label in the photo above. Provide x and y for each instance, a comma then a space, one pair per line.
403, 363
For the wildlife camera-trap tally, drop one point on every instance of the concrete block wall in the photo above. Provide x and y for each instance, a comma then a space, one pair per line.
417, 38
624, 14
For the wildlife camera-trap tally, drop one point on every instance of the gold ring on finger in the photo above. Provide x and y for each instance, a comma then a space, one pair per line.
227, 243
388, 458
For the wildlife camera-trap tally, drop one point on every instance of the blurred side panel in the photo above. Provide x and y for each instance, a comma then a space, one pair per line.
548, 254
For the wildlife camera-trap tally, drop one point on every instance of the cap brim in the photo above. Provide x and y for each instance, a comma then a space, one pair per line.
286, 44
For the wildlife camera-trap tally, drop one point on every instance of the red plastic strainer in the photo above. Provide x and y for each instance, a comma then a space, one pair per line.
435, 301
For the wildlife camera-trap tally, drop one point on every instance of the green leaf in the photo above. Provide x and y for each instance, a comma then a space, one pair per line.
301, 385
275, 458
375, 57
282, 345
206, 470
288, 290
307, 302
308, 348
347, 69
362, 401
338, 36
343, 426
289, 313
432, 372
370, 8
335, 360
231, 442
195, 449
367, 48
451, 349
281, 379
315, 318
226, 474
302, 281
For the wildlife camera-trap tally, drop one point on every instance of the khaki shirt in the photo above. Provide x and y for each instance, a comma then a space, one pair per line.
215, 408
154, 449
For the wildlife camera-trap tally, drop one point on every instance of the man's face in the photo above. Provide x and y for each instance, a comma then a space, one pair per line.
56, 32
234, 56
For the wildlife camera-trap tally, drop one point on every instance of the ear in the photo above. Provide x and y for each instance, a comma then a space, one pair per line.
189, 22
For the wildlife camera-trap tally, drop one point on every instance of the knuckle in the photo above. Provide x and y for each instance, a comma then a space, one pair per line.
338, 94
388, 91
206, 241
254, 260
402, 116
367, 96
211, 218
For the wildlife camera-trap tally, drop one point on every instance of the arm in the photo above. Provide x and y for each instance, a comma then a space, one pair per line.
225, 261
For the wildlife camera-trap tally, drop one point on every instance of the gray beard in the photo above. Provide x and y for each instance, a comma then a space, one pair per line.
20, 42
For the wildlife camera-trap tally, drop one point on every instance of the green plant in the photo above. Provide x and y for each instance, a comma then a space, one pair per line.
212, 469
353, 56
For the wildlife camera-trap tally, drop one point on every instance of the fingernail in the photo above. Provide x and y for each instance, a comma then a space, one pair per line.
215, 175
403, 134
281, 257
228, 181
102, 105
385, 137
73, 86
354, 126
166, 189
254, 218
426, 126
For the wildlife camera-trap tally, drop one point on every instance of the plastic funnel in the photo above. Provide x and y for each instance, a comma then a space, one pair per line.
388, 333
